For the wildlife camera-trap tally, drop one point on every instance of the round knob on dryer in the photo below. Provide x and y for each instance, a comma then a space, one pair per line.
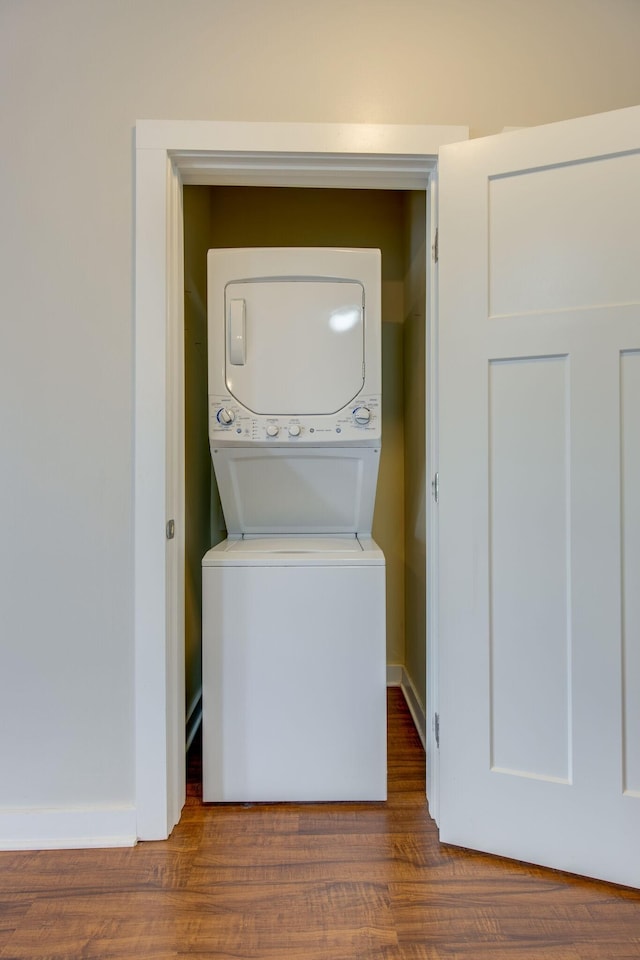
273, 430
225, 416
294, 430
362, 414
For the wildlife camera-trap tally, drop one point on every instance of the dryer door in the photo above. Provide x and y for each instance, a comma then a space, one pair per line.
294, 346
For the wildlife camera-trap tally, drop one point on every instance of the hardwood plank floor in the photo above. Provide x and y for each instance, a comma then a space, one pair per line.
308, 882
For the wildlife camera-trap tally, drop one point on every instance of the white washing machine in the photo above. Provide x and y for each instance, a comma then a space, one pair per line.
294, 658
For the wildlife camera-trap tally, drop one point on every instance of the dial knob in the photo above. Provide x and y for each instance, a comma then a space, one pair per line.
273, 430
294, 430
362, 415
225, 415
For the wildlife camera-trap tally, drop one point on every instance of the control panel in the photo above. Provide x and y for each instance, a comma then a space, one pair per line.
232, 424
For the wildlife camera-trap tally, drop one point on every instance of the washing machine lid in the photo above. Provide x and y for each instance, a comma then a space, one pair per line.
294, 346
294, 546
280, 491
295, 551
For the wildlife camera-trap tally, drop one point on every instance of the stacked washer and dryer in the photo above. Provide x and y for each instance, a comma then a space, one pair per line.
294, 660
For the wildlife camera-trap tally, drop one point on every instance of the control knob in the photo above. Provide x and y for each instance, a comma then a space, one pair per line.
294, 430
273, 430
225, 416
362, 415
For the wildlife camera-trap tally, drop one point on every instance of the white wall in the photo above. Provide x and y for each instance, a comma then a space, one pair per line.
74, 76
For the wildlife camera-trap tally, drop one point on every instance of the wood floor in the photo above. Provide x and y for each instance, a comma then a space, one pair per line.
309, 881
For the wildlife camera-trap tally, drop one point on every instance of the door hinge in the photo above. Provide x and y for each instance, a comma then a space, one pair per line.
435, 247
436, 728
171, 529
435, 487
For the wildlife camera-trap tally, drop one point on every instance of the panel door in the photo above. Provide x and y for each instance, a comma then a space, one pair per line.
539, 467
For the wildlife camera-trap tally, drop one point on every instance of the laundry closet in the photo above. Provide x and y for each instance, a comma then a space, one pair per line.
394, 223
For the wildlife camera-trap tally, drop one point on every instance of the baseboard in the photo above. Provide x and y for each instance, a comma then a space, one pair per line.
46, 829
397, 676
394, 674
194, 717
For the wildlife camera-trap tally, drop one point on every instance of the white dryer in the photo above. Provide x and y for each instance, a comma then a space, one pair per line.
294, 660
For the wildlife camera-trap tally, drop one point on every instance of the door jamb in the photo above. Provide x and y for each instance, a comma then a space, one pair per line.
168, 155
431, 445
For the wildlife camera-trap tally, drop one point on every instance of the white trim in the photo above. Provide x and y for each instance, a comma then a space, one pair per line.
153, 172
233, 171
397, 676
50, 829
394, 674
415, 706
328, 155
431, 598
175, 501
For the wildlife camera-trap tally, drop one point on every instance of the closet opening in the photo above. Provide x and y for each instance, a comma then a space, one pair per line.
395, 221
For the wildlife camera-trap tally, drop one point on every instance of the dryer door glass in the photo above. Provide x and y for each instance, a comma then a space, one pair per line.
294, 347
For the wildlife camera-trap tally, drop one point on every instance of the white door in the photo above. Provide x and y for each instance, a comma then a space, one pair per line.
539, 468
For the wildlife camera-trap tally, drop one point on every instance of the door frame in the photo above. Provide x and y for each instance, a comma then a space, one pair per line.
170, 154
